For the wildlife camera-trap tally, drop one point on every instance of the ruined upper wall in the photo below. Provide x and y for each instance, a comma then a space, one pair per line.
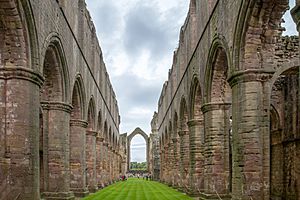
71, 22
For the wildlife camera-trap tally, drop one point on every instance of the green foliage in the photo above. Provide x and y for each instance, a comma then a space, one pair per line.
138, 166
138, 189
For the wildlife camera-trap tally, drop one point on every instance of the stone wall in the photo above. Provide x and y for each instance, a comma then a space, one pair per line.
59, 114
216, 109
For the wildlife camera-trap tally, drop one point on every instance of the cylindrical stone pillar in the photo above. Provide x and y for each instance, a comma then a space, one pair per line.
78, 157
162, 163
175, 165
217, 125
196, 130
91, 160
170, 163
250, 134
19, 133
184, 159
105, 164
99, 160
56, 129
167, 164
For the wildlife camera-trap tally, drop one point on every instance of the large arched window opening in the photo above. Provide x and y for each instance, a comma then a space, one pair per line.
137, 149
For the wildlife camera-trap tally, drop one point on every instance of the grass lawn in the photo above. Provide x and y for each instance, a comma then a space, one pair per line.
138, 189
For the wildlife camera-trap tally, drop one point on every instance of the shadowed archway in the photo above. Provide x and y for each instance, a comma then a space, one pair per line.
129, 138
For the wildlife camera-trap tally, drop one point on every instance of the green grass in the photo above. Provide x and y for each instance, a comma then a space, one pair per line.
138, 189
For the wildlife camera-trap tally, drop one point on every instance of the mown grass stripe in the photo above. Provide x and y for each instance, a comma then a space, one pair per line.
138, 189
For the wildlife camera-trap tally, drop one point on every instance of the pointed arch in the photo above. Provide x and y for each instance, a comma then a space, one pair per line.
183, 115
91, 114
195, 100
55, 71
78, 99
99, 124
257, 26
217, 72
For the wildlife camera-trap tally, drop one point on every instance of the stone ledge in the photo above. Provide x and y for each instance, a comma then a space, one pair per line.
91, 133
250, 75
80, 192
78, 122
54, 105
215, 106
58, 195
22, 73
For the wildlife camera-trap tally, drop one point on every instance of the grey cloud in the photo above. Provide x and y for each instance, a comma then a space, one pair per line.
146, 30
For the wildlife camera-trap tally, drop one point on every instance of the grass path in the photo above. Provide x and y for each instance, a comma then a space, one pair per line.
138, 189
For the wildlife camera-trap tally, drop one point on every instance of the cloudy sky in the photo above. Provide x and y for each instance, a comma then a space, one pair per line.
138, 38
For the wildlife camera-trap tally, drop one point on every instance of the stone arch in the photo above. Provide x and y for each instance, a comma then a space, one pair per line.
99, 124
129, 138
257, 27
55, 71
18, 43
284, 130
78, 99
196, 100
217, 73
91, 115
56, 119
217, 114
105, 131
175, 125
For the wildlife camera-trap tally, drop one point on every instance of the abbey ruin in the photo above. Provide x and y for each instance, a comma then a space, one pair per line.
228, 116
228, 119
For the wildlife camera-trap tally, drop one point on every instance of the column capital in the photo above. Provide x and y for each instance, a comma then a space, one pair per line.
22, 73
78, 122
175, 139
295, 12
194, 122
100, 139
215, 106
182, 133
105, 144
91, 133
55, 105
250, 75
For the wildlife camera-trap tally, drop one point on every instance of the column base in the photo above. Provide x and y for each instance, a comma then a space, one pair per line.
80, 192
58, 195
204, 196
93, 189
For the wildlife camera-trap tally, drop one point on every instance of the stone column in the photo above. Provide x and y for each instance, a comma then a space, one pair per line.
19, 133
170, 163
167, 164
109, 151
91, 160
78, 157
196, 130
99, 160
175, 165
250, 134
217, 125
105, 164
184, 159
56, 129
162, 163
